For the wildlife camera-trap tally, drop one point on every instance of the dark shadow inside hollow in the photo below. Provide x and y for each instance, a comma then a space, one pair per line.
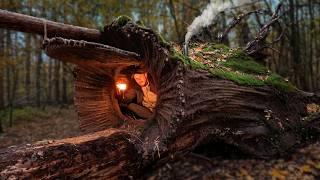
220, 149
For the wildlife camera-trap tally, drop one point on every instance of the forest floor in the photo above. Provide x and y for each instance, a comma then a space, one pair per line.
304, 164
32, 125
58, 123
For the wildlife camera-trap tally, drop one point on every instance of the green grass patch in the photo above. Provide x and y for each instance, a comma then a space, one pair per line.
26, 114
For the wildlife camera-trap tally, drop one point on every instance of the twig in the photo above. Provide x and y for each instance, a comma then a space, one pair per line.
156, 145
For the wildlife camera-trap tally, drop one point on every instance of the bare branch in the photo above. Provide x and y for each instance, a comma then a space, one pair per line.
259, 42
236, 21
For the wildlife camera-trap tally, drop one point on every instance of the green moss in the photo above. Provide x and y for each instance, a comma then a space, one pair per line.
140, 23
244, 64
279, 83
162, 41
197, 65
239, 78
121, 20
239, 54
213, 47
177, 56
236, 66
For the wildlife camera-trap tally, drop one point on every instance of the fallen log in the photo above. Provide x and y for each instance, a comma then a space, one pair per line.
217, 96
34, 25
107, 154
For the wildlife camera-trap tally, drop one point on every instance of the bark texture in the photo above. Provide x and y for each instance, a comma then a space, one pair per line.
109, 154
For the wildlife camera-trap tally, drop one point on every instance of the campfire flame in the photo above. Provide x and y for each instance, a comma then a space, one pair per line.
121, 86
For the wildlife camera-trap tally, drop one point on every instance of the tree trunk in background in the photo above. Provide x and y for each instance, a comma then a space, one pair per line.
28, 68
14, 72
8, 71
64, 83
1, 76
317, 54
225, 40
174, 17
57, 81
9, 77
295, 52
49, 95
306, 71
311, 47
1, 70
38, 79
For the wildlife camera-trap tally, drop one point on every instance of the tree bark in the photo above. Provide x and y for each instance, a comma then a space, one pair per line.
29, 24
109, 154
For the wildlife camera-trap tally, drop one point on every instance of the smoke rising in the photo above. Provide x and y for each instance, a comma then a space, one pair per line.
208, 15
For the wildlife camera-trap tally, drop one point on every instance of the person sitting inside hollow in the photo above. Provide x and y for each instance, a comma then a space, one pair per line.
141, 99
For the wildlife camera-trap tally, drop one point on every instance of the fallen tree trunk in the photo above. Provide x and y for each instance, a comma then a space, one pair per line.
202, 102
34, 25
116, 154
107, 154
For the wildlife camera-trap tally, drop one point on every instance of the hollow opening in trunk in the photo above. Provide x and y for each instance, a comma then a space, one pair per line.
134, 93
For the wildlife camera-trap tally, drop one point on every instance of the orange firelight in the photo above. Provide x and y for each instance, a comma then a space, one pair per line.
121, 86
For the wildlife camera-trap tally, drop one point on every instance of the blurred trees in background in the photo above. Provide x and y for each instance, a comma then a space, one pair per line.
29, 77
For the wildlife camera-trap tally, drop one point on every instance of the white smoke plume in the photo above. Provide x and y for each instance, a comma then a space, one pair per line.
208, 15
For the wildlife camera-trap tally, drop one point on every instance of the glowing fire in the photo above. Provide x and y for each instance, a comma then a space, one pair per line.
122, 86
